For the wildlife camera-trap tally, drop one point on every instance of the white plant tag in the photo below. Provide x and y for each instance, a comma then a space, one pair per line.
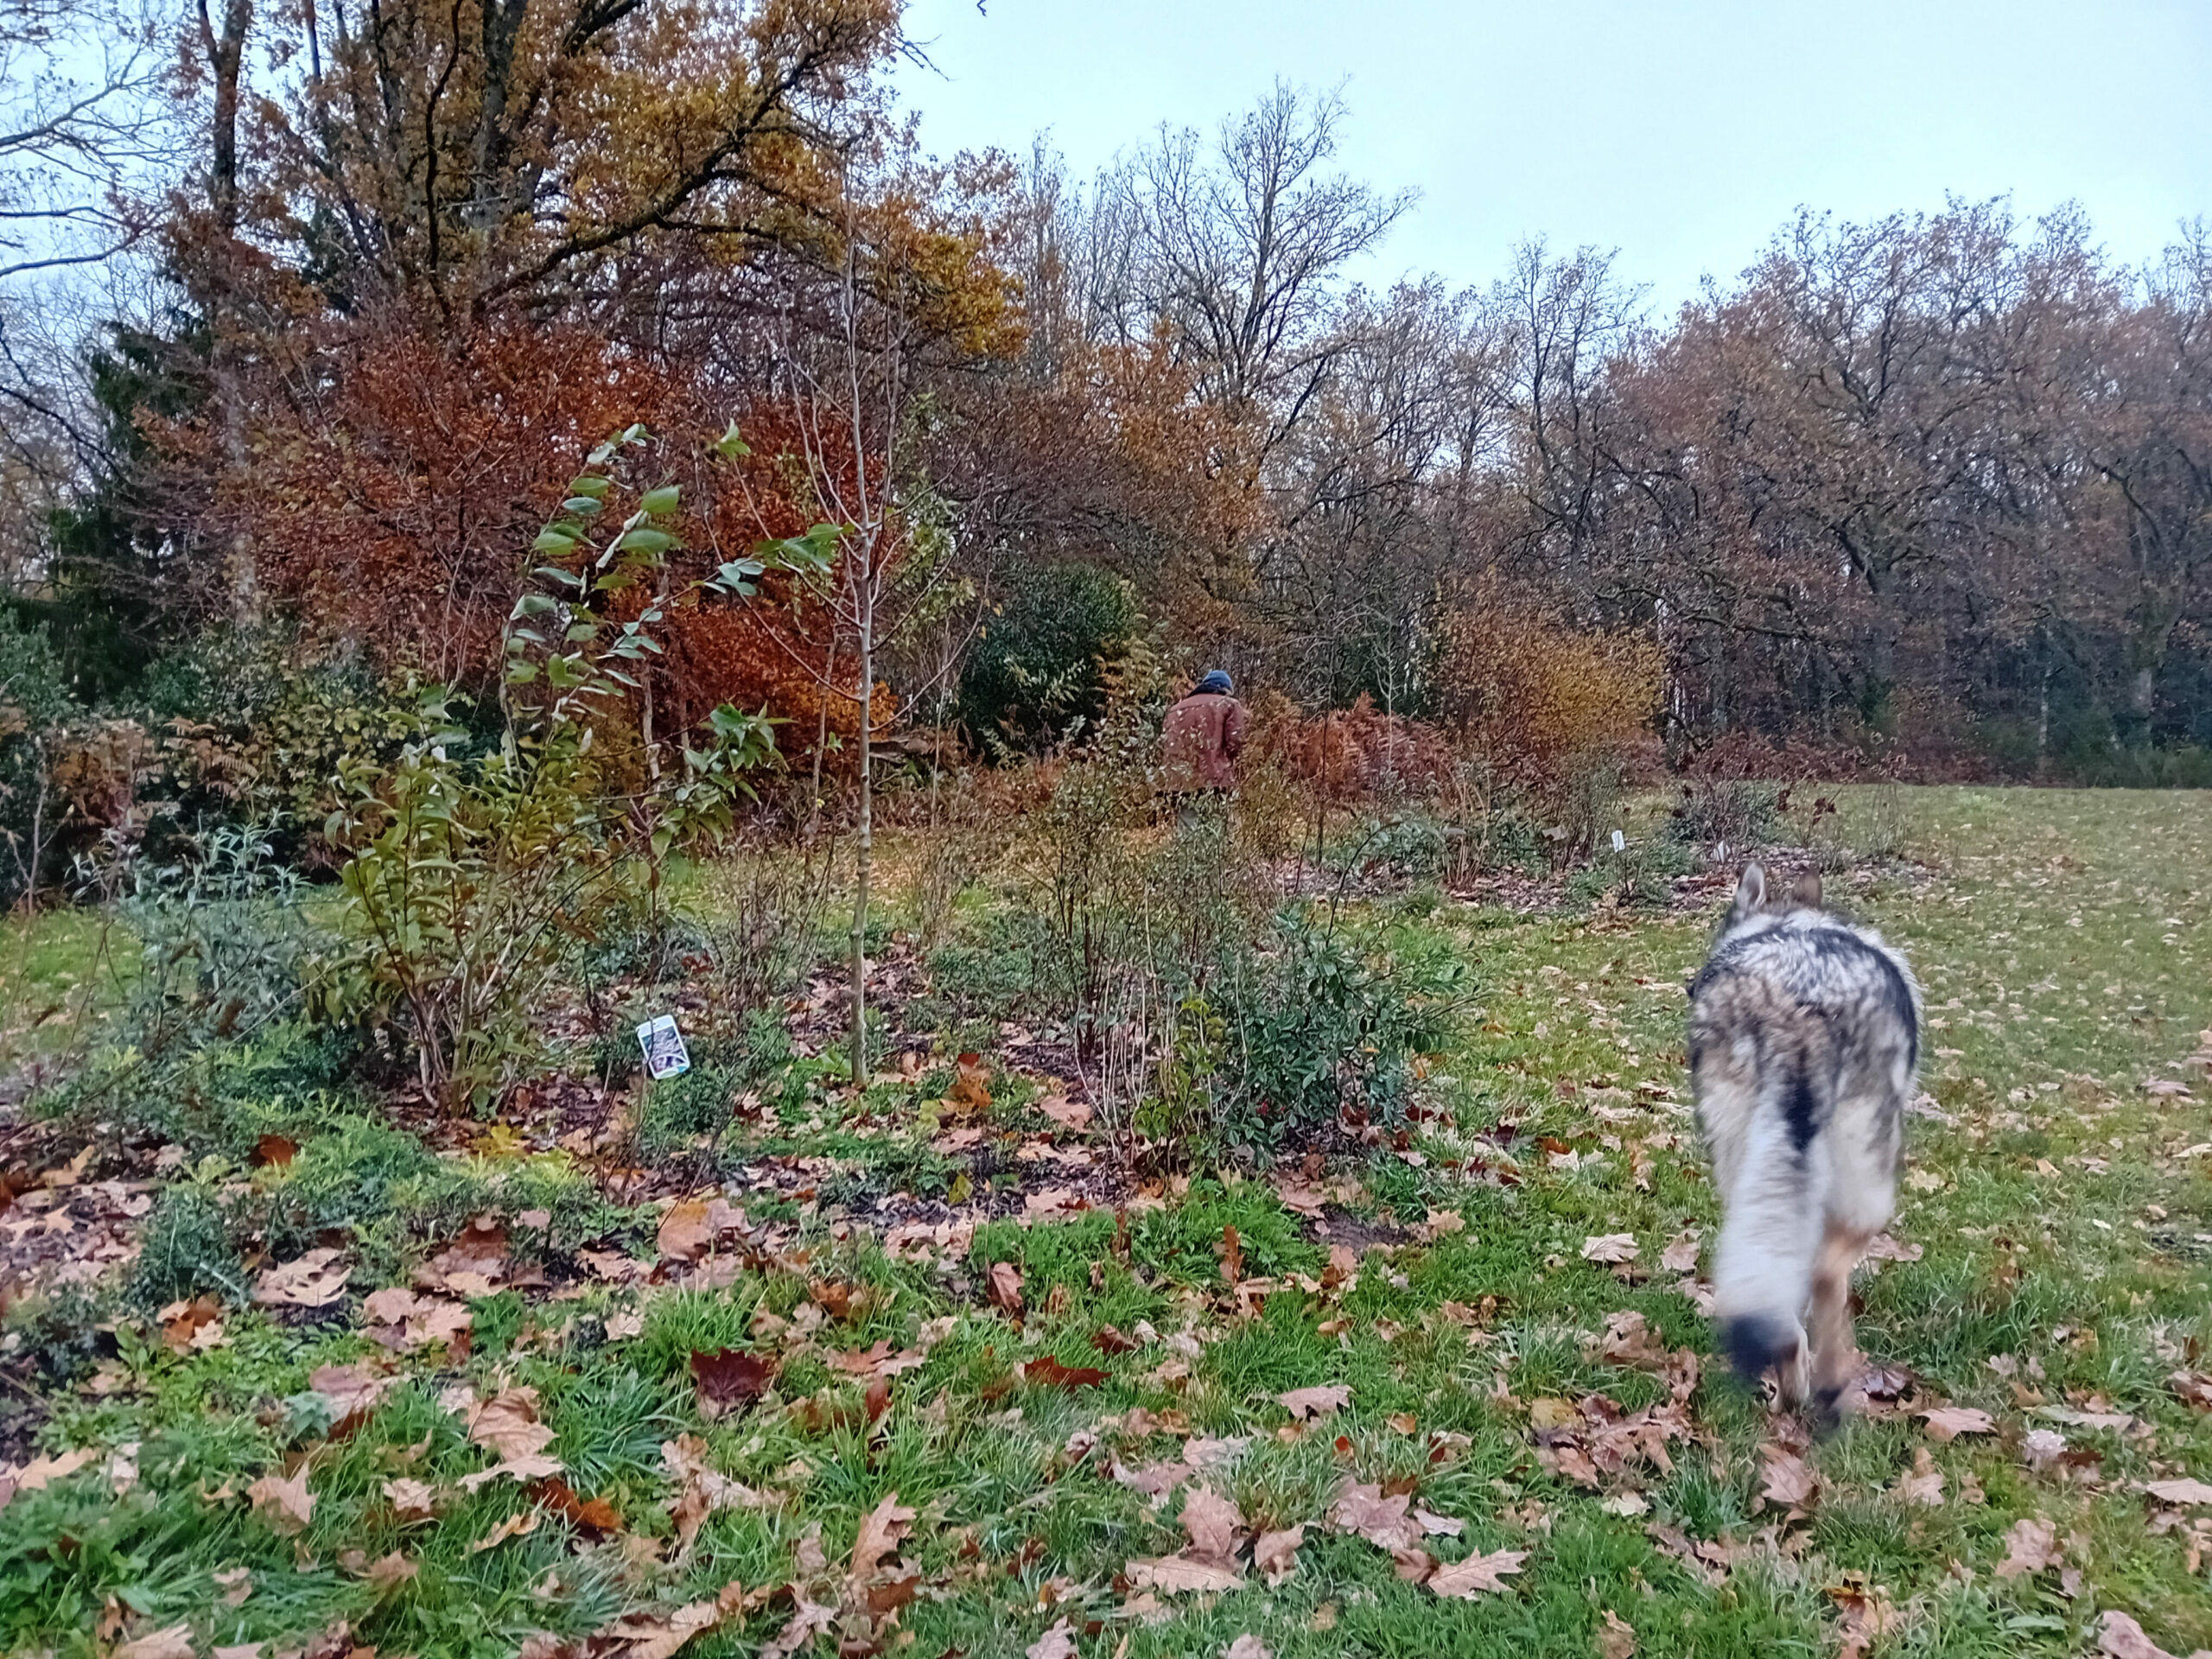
663, 1045
1620, 842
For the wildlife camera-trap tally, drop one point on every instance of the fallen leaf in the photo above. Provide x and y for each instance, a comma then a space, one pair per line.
969, 1088
1107, 1340
387, 1572
515, 1526
684, 1231
809, 1620
2121, 1638
345, 1390
1925, 1483
1437, 1526
507, 1424
236, 1584
411, 1500
276, 1150
312, 1280
1681, 1254
2031, 1546
1059, 1642
1275, 1555
591, 1514
1212, 1521
2184, 1492
38, 1473
1610, 1247
1068, 1114
530, 1466
1047, 1372
1788, 1481
729, 1379
1948, 1422
173, 1643
1382, 1518
1175, 1574
1006, 1287
1478, 1575
183, 1322
2041, 1447
1305, 1403
1615, 1637
287, 1505
880, 1534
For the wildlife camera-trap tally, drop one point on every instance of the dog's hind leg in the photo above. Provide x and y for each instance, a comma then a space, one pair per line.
1835, 1361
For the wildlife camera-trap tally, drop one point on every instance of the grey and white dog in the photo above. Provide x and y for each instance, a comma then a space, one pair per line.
1804, 1045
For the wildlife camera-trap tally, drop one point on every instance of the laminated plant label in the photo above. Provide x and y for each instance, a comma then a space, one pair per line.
663, 1044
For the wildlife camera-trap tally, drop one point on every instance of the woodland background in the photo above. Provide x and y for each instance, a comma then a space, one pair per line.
310, 314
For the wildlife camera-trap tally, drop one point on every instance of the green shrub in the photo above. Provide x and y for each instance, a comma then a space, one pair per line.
1321, 1017
35, 704
675, 1109
1039, 673
1737, 812
185, 1249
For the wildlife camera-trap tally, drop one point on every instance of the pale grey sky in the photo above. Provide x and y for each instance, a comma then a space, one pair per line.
1683, 132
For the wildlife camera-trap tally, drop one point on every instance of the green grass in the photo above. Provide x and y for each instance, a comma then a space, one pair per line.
2065, 941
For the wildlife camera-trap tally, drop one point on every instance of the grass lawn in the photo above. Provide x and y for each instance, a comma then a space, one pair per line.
1450, 1395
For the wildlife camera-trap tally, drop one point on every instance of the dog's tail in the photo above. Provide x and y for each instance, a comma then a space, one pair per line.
1762, 1270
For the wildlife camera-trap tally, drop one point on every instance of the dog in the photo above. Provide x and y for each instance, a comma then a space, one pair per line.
1804, 1049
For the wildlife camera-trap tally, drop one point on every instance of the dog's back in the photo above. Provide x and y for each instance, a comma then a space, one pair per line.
1804, 1041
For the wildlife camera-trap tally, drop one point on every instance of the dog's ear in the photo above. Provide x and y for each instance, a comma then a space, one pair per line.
1806, 893
1751, 893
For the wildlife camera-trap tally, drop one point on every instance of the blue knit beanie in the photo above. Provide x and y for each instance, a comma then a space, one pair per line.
1216, 684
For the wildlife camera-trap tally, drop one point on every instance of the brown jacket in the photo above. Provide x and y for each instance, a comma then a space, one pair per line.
1198, 747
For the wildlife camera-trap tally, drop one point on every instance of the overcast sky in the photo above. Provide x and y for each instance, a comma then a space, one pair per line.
1683, 132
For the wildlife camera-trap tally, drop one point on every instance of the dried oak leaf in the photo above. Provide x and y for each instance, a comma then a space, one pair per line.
1005, 1287
1610, 1247
1478, 1575
1175, 1575
1615, 1637
880, 1534
1059, 1642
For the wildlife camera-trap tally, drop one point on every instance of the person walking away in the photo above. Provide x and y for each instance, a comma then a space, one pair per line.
1200, 744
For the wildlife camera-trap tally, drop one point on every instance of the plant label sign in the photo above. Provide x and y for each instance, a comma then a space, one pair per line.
663, 1044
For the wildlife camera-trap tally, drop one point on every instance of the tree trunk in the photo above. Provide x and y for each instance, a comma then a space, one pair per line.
864, 855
